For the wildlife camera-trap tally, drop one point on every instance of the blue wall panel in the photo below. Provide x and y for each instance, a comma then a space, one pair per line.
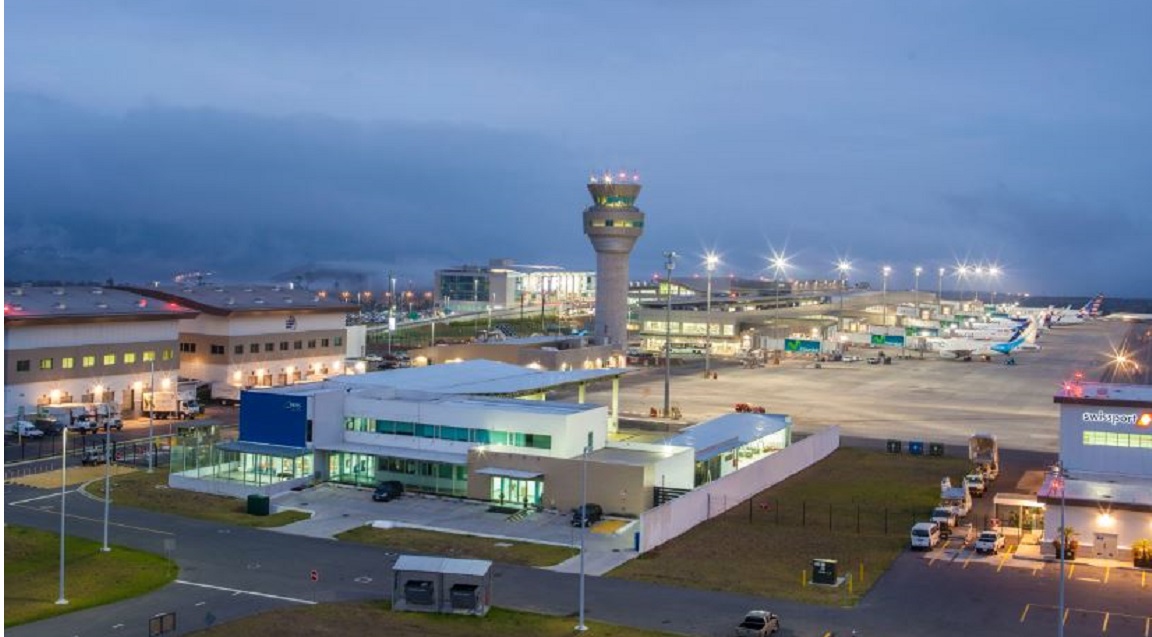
274, 419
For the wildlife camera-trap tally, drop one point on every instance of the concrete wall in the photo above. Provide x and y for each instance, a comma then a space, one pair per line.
619, 488
679, 516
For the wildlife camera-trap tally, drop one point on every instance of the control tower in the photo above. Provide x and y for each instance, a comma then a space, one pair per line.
612, 223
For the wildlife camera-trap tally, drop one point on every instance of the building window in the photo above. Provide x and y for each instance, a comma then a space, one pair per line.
298, 345
283, 346
189, 348
109, 359
254, 348
312, 343
323, 342
45, 363
1117, 439
238, 349
129, 358
269, 347
23, 366
339, 341
88, 361
166, 355
67, 362
148, 356
217, 350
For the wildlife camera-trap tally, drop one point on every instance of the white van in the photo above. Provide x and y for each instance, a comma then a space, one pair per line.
925, 535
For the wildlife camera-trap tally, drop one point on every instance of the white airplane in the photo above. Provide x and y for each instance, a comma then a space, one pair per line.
965, 348
1089, 311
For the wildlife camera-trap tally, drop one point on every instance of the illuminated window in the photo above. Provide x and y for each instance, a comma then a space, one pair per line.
166, 355
1116, 439
45, 363
148, 356
88, 361
109, 359
129, 358
67, 362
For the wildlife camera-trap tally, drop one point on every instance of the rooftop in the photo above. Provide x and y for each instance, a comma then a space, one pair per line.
88, 302
228, 299
475, 377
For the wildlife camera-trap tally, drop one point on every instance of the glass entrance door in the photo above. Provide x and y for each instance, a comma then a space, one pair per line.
516, 492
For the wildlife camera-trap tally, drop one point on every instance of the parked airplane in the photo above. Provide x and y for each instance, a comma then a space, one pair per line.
966, 348
1089, 311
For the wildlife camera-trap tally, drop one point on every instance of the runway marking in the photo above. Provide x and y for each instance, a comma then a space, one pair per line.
52, 511
236, 591
40, 497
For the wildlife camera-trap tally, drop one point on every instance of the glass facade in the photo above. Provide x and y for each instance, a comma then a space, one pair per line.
445, 432
516, 492
416, 475
1117, 439
195, 455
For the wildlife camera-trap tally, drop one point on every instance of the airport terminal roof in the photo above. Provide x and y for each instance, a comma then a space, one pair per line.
476, 377
222, 300
730, 431
85, 302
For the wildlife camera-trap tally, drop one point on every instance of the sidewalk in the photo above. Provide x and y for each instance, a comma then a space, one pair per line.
1032, 552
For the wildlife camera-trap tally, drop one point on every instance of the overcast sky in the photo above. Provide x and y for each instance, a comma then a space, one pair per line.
144, 139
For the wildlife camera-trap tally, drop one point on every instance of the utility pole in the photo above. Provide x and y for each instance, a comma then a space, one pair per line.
669, 264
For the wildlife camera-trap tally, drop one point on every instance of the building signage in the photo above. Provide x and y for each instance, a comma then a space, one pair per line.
1114, 419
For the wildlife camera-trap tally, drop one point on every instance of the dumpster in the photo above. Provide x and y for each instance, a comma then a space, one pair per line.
259, 504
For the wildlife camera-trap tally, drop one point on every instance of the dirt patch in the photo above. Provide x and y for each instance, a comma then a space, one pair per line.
75, 475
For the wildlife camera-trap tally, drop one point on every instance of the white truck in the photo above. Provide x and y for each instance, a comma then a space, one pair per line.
169, 404
984, 452
22, 429
956, 498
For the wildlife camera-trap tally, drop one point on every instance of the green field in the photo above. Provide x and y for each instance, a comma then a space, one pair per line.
150, 491
91, 577
837, 509
461, 546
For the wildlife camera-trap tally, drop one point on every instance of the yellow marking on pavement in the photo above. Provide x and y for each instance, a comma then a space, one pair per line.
1003, 559
1107, 572
1071, 570
1065, 619
1024, 615
1147, 626
608, 527
1104, 628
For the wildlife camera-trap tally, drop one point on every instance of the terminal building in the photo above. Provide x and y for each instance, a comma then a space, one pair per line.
87, 344
508, 285
1105, 486
479, 429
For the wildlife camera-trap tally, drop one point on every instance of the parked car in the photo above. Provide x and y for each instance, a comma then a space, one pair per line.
758, 623
925, 535
990, 542
388, 491
587, 515
976, 484
92, 457
946, 518
83, 425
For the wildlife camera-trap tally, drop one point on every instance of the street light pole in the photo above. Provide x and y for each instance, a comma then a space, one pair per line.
779, 263
107, 479
916, 290
939, 293
152, 412
61, 600
884, 298
843, 267
1063, 547
580, 627
710, 262
669, 264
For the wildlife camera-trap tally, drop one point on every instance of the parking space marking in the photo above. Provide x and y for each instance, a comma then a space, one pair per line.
1003, 558
1107, 573
1104, 628
1024, 615
1071, 570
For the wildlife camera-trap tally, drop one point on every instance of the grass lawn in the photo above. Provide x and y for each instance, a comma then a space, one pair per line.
461, 546
765, 546
150, 491
91, 578
376, 618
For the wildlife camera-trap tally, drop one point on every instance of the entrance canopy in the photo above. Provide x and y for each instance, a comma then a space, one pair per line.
509, 473
276, 451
